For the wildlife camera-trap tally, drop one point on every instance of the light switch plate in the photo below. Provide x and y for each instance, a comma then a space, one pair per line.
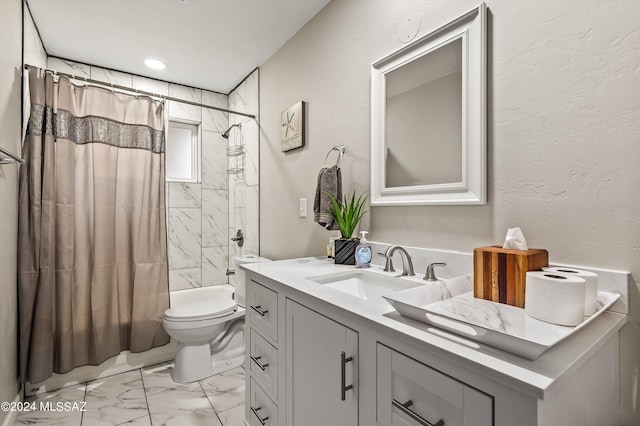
303, 207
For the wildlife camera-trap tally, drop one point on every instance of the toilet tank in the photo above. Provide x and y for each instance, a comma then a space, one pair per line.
241, 275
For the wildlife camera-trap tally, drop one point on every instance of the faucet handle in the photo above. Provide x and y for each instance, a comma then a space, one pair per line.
388, 265
431, 275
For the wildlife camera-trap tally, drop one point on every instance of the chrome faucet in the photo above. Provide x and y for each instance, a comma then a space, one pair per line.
407, 265
431, 275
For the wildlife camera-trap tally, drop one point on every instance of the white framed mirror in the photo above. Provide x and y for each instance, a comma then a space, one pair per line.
428, 118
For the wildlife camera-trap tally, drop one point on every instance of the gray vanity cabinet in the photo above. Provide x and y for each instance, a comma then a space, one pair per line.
263, 358
322, 369
410, 393
314, 363
302, 366
304, 369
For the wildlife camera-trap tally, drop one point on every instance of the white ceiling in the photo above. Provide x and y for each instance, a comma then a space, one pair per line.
210, 44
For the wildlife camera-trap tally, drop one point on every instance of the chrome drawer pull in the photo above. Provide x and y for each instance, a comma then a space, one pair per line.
415, 416
260, 419
257, 309
343, 387
262, 366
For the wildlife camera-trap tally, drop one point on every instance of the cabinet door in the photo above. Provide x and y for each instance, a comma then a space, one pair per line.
321, 370
411, 393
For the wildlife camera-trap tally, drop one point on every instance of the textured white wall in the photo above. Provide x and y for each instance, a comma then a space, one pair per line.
10, 87
563, 114
563, 135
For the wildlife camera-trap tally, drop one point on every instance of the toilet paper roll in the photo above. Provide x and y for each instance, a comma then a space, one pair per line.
555, 298
591, 286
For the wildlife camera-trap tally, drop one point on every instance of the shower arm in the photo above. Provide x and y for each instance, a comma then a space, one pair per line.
226, 133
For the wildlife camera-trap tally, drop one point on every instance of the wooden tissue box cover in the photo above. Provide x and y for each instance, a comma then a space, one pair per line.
500, 274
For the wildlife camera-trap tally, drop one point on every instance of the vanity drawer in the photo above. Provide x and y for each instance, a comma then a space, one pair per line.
263, 307
411, 393
262, 410
264, 363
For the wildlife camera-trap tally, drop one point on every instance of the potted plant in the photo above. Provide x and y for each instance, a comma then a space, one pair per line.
347, 213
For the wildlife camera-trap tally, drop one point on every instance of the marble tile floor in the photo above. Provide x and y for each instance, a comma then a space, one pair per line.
144, 397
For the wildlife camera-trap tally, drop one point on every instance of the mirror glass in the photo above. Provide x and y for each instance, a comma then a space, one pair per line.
428, 143
424, 116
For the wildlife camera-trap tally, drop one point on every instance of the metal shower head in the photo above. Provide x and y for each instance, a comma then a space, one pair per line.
226, 133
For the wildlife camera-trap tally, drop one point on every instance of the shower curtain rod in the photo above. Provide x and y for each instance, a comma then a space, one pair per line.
138, 92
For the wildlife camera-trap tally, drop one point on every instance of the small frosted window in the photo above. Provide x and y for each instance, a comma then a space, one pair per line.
182, 152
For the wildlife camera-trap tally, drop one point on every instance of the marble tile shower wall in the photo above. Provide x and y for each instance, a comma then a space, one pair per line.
197, 213
244, 188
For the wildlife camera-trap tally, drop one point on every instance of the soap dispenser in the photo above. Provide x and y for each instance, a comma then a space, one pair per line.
363, 252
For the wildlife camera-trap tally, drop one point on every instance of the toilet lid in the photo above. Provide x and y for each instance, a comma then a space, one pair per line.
201, 310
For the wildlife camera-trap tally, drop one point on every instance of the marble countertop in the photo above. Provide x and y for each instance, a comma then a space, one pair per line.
534, 378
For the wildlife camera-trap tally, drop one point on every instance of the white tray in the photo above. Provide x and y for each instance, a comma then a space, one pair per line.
496, 324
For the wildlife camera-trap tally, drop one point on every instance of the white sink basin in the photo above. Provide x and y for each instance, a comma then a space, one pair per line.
406, 301
365, 285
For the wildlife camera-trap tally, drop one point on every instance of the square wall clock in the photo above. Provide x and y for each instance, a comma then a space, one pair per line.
292, 127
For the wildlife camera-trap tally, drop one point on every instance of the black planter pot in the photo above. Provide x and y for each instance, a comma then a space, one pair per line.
345, 251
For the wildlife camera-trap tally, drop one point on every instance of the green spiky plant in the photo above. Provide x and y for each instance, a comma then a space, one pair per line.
348, 212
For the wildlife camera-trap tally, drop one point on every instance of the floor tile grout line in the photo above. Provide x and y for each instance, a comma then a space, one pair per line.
84, 399
126, 383
176, 386
200, 384
210, 403
132, 420
99, 378
144, 391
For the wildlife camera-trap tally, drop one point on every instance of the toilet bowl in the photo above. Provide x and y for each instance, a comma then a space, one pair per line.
194, 321
207, 324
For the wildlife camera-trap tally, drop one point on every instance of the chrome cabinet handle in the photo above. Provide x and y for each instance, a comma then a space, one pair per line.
262, 366
260, 419
343, 385
415, 416
257, 309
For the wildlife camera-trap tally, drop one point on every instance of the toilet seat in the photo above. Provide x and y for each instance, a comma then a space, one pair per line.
201, 310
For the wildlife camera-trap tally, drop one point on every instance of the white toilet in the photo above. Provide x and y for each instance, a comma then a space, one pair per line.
207, 325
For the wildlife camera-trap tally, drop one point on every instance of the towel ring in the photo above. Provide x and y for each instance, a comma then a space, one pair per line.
340, 149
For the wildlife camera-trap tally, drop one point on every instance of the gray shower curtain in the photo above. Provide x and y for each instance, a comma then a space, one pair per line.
92, 265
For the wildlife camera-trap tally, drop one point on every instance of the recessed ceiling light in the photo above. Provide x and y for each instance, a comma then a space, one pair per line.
155, 64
